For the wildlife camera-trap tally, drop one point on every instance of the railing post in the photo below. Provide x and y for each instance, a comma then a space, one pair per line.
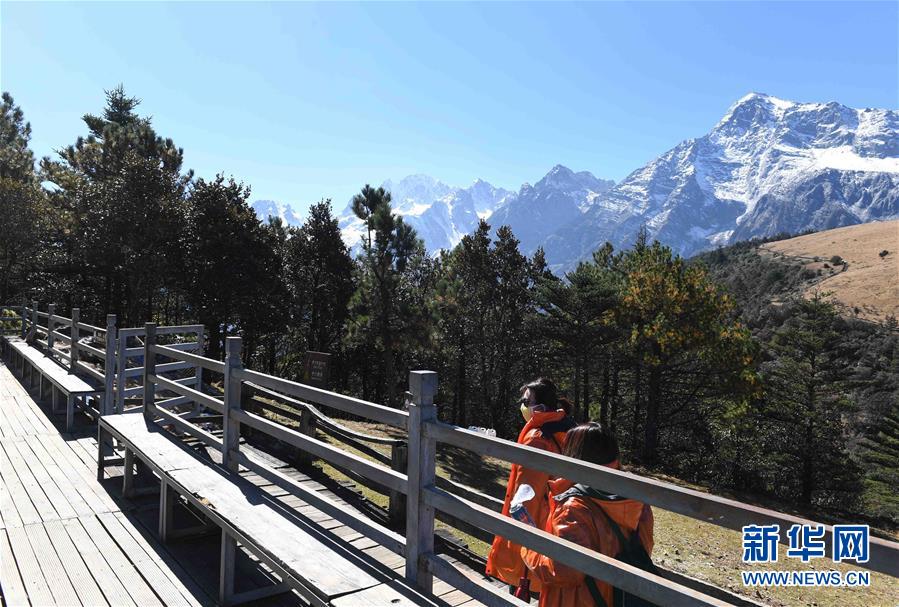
109, 364
73, 335
307, 427
231, 438
399, 461
149, 369
121, 365
200, 351
422, 470
24, 317
34, 318
51, 310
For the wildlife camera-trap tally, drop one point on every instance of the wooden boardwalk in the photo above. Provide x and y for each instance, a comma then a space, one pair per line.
64, 539
67, 539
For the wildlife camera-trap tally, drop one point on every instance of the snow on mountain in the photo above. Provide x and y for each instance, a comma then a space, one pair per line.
269, 208
768, 166
440, 214
561, 196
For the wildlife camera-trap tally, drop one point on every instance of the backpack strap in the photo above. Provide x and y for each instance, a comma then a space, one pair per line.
595, 593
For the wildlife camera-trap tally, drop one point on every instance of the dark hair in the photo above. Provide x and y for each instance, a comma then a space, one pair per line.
592, 443
544, 391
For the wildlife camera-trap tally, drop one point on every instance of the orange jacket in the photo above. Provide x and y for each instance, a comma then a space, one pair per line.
504, 559
576, 519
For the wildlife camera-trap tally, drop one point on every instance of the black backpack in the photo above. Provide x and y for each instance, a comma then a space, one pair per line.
631, 552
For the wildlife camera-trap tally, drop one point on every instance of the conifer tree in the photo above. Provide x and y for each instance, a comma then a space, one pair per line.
23, 207
806, 399
387, 248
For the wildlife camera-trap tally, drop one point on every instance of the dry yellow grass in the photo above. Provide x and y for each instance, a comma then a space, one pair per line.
871, 282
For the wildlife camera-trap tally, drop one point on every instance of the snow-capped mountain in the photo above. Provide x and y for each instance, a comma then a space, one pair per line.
440, 214
269, 208
561, 196
768, 166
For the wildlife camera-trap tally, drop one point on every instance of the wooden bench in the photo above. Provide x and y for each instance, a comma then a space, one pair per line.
32, 362
321, 568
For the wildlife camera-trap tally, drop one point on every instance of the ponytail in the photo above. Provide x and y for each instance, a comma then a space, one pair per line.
565, 405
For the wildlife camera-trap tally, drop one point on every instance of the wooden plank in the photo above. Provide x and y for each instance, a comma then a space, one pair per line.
112, 587
240, 506
17, 507
82, 581
15, 424
84, 475
139, 574
14, 591
54, 571
168, 578
32, 575
53, 495
38, 498
383, 595
71, 492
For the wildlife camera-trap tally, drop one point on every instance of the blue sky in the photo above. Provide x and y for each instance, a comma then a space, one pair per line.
309, 101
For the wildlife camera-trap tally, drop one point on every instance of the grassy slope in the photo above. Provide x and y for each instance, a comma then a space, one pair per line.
870, 282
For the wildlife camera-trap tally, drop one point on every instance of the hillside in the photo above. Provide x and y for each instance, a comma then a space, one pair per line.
869, 284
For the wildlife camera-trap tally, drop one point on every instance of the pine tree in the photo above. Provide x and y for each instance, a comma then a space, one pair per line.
231, 272
807, 400
319, 276
121, 191
23, 207
687, 350
880, 454
387, 248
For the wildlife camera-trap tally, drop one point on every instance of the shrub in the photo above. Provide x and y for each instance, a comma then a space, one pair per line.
836, 260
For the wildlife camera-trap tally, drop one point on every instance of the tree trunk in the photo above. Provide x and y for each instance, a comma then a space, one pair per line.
606, 391
586, 414
638, 402
653, 403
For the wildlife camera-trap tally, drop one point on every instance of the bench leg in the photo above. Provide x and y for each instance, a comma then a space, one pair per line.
226, 569
128, 478
227, 596
70, 412
54, 399
102, 437
166, 510
40, 387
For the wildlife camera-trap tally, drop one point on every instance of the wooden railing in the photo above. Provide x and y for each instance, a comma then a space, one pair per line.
80, 347
105, 354
129, 369
426, 497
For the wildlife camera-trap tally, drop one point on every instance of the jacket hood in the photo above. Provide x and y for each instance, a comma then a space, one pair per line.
624, 511
539, 418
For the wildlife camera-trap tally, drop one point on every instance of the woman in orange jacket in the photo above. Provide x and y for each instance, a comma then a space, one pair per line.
547, 420
587, 517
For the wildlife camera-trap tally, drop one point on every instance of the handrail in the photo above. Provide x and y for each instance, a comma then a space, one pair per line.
595, 564
695, 504
83, 326
92, 350
324, 420
195, 359
348, 404
385, 476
